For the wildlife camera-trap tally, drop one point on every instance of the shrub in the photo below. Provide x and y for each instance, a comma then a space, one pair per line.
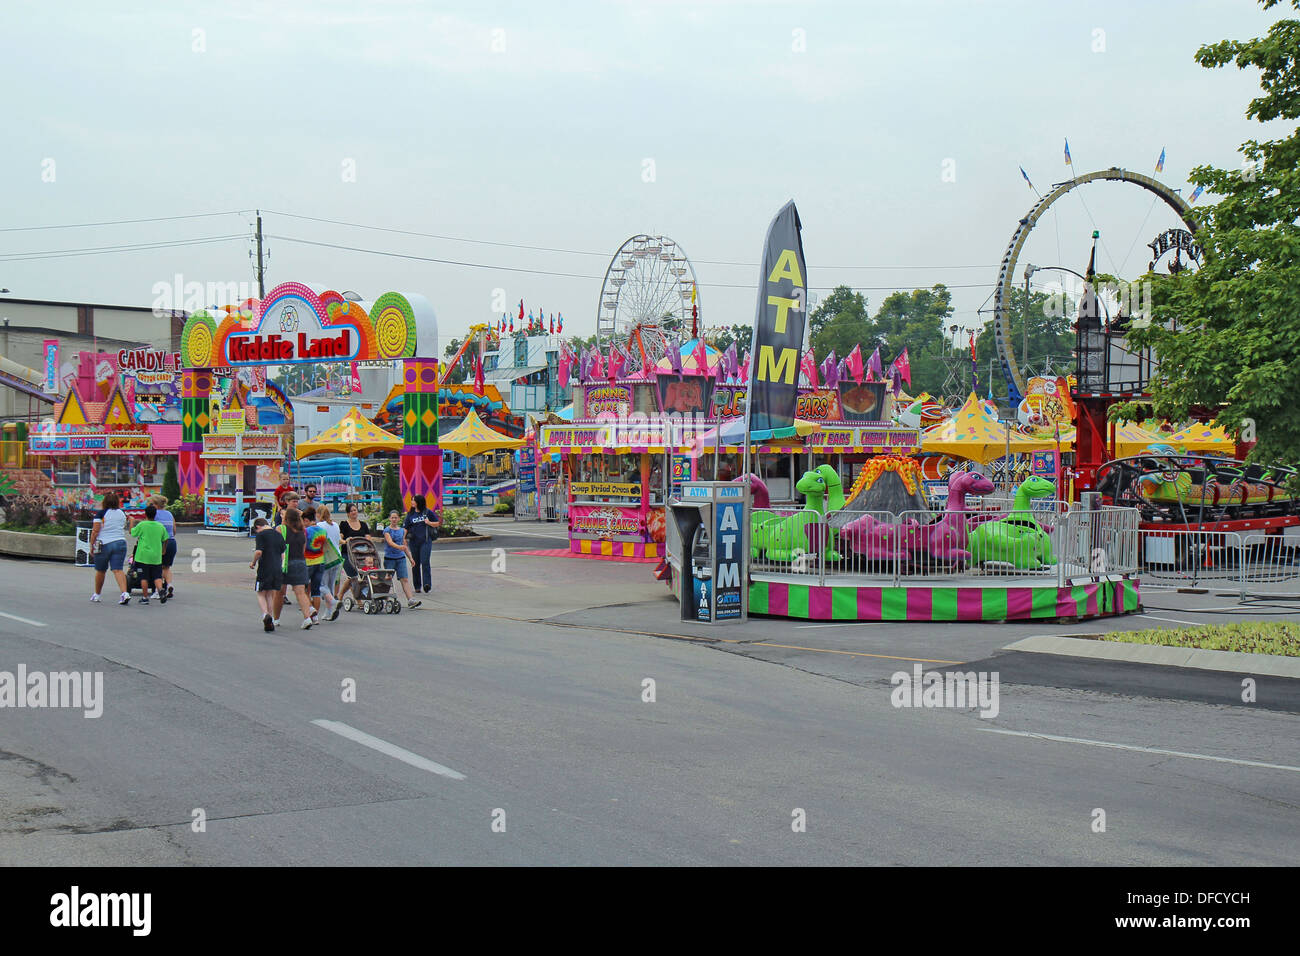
187, 508
458, 521
171, 487
390, 493
26, 513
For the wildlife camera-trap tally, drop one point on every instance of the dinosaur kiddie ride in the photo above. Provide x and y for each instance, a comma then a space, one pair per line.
879, 553
1018, 539
778, 538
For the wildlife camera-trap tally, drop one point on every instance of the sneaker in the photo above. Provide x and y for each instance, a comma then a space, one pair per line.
411, 604
144, 600
171, 593
94, 599
306, 624
267, 624
125, 599
162, 597
315, 618
426, 590
334, 613
276, 622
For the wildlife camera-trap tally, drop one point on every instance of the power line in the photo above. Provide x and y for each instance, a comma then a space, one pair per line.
573, 252
123, 222
570, 275
104, 250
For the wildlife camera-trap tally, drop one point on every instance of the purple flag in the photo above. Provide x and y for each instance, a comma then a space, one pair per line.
730, 362
874, 366
831, 371
675, 357
895, 380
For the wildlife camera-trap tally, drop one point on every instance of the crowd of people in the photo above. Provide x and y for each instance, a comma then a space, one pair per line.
296, 560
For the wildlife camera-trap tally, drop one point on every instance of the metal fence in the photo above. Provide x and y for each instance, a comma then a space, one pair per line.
1252, 566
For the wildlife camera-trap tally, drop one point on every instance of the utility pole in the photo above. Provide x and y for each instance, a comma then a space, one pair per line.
261, 267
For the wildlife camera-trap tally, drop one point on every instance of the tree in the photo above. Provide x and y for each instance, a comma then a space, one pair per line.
724, 336
840, 322
390, 494
917, 321
171, 487
1051, 335
1228, 334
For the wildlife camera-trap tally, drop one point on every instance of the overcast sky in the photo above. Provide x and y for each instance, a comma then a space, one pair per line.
539, 124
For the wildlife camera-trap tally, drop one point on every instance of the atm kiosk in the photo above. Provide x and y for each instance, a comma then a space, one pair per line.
708, 548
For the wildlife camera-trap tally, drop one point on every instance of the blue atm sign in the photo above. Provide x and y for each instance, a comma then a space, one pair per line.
728, 575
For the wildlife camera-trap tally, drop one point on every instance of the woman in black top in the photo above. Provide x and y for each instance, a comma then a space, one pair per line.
350, 527
295, 567
421, 531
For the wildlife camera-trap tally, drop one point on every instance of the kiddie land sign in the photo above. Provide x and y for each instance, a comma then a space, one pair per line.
290, 332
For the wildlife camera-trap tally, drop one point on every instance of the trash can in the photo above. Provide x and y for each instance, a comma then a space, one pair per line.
82, 558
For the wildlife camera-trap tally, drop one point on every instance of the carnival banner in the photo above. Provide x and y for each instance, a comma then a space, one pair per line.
778, 328
602, 398
862, 403
684, 394
822, 405
606, 521
50, 349
729, 401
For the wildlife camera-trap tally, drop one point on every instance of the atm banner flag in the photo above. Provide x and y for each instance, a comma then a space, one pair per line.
778, 328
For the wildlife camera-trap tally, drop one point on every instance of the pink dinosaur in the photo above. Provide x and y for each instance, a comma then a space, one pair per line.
946, 538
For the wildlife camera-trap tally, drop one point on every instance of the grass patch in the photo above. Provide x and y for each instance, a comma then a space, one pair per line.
1251, 637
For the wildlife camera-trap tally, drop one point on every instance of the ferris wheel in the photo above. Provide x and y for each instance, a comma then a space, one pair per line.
648, 284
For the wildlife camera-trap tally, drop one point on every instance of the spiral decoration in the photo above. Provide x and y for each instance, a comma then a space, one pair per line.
198, 341
394, 323
330, 298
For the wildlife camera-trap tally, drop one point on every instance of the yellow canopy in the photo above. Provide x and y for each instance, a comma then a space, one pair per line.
472, 437
354, 435
972, 433
1202, 437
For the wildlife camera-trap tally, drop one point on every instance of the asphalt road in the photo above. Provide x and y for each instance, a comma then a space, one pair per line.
504, 723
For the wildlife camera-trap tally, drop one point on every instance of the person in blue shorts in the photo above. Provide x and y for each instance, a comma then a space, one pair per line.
108, 545
397, 556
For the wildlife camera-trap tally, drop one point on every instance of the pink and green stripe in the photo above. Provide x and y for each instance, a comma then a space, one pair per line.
811, 602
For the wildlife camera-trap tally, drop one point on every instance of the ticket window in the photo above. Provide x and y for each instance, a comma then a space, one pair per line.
250, 480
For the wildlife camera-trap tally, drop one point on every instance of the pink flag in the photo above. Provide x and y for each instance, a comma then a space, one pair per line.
808, 365
854, 363
744, 367
562, 373
701, 356
597, 367
904, 367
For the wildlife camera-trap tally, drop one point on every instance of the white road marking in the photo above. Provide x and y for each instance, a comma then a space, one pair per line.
1146, 750
1174, 620
560, 534
22, 620
809, 627
384, 747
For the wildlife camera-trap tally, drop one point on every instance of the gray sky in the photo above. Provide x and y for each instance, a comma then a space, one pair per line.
545, 142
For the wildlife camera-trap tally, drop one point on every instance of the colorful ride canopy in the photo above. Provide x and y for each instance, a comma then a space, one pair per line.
295, 324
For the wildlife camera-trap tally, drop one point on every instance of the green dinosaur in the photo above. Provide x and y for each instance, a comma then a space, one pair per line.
1018, 539
778, 537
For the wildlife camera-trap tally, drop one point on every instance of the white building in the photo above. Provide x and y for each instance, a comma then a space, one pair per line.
525, 370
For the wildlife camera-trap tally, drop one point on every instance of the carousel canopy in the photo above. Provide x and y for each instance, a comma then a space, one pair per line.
354, 435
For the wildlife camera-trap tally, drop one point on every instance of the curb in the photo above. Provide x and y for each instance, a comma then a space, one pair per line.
1238, 662
469, 539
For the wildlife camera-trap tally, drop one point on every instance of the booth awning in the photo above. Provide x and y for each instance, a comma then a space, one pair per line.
973, 434
354, 435
472, 437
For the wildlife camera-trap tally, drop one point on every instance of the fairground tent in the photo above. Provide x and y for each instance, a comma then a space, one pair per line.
972, 433
472, 437
354, 435
1202, 437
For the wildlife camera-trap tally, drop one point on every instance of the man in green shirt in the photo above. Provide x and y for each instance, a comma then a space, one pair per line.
150, 536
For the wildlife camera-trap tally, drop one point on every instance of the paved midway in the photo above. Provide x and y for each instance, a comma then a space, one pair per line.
504, 723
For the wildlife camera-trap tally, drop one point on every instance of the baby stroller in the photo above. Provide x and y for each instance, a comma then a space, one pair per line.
371, 589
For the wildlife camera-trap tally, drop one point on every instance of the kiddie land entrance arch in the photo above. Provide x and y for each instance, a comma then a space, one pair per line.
294, 325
